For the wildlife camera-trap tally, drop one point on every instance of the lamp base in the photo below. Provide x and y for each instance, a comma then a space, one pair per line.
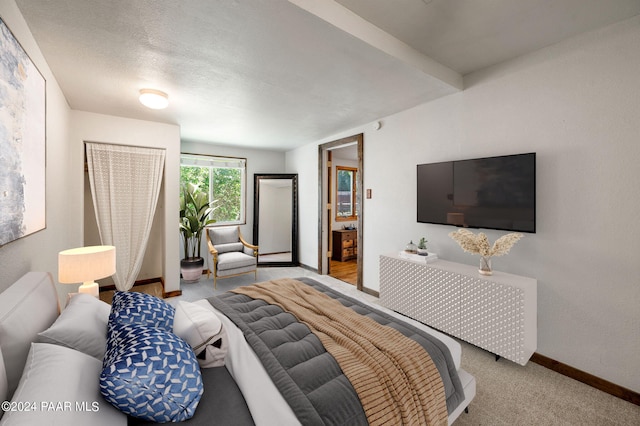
90, 287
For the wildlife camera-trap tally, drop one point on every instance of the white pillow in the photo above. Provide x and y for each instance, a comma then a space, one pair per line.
81, 326
202, 330
60, 386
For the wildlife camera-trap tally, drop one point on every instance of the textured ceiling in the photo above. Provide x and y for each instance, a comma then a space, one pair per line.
468, 35
278, 74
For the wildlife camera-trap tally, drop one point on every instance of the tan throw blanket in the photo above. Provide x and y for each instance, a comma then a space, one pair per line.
394, 377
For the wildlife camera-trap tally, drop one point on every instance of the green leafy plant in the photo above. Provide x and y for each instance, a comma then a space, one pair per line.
195, 211
227, 189
422, 244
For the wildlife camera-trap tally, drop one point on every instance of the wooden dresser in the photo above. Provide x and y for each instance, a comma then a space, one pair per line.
345, 245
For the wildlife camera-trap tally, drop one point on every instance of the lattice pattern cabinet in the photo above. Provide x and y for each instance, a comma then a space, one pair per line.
497, 313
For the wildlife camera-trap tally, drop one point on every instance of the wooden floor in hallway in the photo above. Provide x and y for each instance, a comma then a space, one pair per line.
345, 271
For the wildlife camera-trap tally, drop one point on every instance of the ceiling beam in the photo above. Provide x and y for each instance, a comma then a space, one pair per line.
347, 21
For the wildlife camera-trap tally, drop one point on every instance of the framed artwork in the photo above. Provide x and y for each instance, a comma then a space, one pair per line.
22, 141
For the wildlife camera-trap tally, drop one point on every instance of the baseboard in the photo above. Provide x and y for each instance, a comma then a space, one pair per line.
308, 268
139, 282
589, 379
145, 282
174, 293
371, 292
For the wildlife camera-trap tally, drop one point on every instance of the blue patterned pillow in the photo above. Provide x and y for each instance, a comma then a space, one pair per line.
131, 307
151, 374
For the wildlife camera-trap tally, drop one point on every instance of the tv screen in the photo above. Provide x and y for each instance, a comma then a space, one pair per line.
492, 193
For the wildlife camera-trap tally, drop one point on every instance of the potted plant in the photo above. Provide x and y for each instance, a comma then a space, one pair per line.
422, 247
195, 210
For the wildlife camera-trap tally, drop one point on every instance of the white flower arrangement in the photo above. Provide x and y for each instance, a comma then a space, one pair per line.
479, 244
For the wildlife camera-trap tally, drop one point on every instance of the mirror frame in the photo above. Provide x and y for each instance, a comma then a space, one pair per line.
294, 214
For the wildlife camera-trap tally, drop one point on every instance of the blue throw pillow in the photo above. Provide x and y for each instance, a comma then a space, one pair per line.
130, 307
151, 374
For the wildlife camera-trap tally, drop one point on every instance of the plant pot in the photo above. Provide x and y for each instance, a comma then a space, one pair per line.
423, 252
191, 269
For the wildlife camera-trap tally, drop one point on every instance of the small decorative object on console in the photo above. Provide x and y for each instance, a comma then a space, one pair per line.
411, 248
479, 244
422, 247
429, 257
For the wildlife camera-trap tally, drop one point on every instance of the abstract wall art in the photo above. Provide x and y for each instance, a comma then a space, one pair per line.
22, 141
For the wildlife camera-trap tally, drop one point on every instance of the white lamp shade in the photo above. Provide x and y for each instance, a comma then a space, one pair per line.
154, 99
86, 264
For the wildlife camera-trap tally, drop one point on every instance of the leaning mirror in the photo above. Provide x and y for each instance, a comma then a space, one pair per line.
275, 219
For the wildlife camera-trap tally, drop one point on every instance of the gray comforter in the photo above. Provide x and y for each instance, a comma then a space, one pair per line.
305, 373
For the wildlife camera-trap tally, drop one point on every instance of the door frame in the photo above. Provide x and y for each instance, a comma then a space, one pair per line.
324, 222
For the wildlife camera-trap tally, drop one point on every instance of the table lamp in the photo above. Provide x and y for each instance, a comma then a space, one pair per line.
85, 265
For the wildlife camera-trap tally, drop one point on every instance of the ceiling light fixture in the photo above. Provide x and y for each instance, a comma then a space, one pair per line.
154, 99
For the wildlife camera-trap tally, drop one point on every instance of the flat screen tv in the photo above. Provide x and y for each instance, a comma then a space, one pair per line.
491, 193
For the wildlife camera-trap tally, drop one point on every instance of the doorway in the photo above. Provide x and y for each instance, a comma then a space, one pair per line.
340, 237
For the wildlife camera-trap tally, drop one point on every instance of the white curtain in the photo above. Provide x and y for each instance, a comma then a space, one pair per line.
125, 183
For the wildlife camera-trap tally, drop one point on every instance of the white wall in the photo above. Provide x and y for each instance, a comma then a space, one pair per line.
39, 251
304, 162
577, 105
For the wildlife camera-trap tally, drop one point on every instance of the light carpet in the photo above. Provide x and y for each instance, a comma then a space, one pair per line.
510, 394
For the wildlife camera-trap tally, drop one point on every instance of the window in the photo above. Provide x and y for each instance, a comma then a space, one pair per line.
346, 191
225, 180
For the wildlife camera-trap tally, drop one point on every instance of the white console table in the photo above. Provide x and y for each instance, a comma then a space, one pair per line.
497, 313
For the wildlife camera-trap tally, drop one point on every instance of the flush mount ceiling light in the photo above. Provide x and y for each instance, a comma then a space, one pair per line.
154, 99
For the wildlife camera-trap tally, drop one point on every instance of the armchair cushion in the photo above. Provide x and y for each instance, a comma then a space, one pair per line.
224, 235
229, 247
235, 260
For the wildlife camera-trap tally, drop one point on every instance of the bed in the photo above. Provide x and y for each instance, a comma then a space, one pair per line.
51, 362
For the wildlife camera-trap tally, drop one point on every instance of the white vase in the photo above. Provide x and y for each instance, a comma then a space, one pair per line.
485, 265
191, 269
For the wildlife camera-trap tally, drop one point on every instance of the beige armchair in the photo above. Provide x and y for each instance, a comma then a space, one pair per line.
231, 254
